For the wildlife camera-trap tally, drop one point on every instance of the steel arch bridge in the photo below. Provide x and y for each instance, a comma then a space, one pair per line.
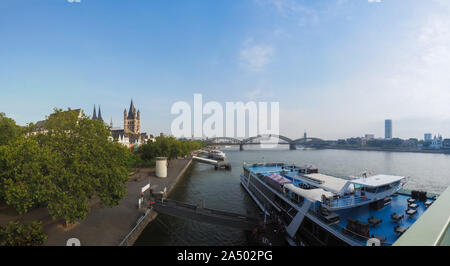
248, 140
305, 140
241, 142
227, 140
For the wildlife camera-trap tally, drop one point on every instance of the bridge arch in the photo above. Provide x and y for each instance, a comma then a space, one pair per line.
303, 140
241, 142
229, 139
248, 140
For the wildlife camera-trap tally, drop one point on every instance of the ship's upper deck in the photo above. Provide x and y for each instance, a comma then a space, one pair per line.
384, 230
378, 222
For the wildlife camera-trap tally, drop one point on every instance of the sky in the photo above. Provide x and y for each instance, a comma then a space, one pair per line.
338, 68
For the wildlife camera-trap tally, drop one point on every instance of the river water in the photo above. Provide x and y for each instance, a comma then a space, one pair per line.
221, 189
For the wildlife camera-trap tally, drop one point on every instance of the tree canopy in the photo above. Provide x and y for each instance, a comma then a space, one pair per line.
169, 147
9, 131
63, 167
17, 234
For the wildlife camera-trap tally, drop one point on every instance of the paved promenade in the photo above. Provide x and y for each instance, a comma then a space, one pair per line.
109, 226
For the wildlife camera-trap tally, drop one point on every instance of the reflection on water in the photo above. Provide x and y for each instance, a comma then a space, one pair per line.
221, 189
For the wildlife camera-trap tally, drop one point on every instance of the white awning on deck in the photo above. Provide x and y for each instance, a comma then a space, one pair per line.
377, 180
331, 183
310, 194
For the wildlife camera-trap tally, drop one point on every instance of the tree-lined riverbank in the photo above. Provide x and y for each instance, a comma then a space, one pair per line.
59, 170
109, 226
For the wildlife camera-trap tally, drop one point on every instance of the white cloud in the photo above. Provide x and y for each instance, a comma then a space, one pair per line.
293, 9
256, 57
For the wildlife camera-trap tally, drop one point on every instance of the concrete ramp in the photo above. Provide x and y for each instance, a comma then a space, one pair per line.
205, 160
198, 213
217, 164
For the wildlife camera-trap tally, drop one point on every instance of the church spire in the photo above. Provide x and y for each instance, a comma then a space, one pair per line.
99, 114
132, 111
94, 116
131, 106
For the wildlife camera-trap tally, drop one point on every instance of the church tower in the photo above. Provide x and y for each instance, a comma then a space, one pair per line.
94, 115
99, 116
132, 120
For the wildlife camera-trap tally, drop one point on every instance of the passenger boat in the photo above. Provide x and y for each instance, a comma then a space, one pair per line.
217, 155
319, 209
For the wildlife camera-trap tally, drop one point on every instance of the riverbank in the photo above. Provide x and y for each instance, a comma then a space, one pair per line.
384, 149
110, 226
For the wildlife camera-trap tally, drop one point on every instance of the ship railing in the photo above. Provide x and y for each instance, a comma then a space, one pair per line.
262, 163
341, 229
345, 201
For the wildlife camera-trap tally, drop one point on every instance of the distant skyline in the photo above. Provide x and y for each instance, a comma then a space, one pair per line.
339, 68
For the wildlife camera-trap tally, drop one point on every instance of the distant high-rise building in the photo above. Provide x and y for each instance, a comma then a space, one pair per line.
427, 137
388, 129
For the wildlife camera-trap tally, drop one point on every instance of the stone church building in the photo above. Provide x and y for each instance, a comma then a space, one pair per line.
131, 134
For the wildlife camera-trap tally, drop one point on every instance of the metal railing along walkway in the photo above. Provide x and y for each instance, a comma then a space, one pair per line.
201, 214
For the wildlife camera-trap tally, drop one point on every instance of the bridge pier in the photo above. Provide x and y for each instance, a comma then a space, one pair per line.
241, 147
292, 146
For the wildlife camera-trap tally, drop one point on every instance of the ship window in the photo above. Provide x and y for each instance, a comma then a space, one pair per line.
334, 241
321, 233
246, 172
307, 224
370, 189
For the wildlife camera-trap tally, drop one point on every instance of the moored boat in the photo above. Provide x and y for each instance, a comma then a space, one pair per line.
217, 155
319, 209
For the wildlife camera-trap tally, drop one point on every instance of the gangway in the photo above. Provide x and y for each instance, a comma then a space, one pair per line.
217, 164
205, 160
201, 214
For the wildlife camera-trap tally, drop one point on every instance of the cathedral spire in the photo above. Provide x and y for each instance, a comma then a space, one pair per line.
94, 116
99, 114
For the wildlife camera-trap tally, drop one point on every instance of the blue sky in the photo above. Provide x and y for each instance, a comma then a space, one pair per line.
337, 67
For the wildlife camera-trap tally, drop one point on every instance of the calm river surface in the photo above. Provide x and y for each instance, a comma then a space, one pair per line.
221, 189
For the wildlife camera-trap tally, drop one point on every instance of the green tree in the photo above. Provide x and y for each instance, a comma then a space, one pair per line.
396, 142
9, 131
16, 234
167, 147
26, 174
63, 168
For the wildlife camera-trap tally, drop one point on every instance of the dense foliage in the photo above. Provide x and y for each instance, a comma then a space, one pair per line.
9, 131
396, 142
169, 147
17, 234
62, 167
379, 143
